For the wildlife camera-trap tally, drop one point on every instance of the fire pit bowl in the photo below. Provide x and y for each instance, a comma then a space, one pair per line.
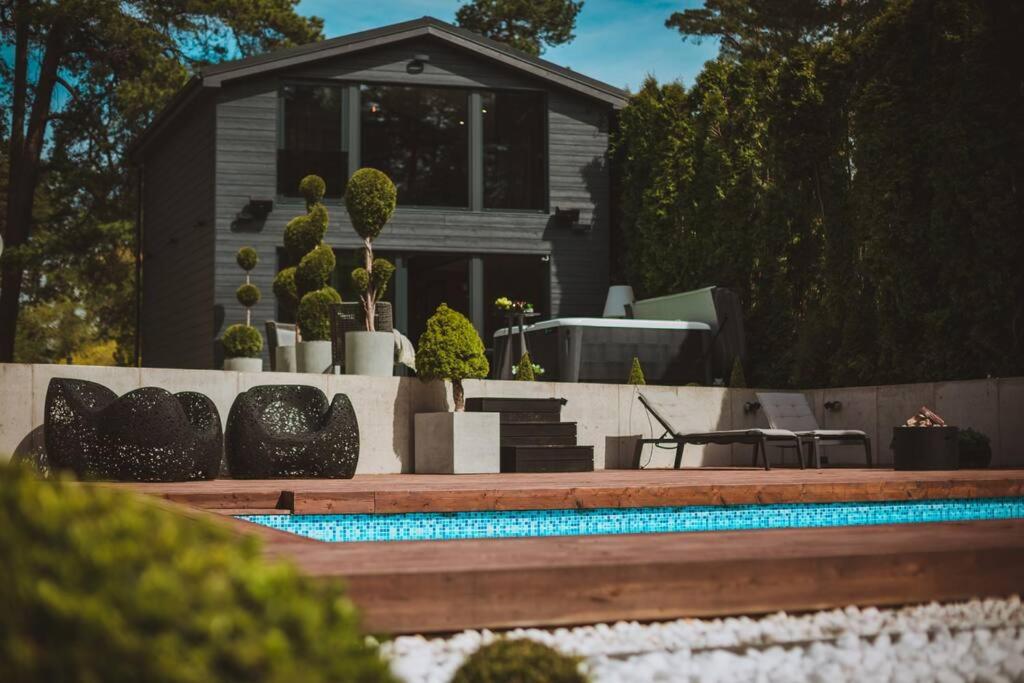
926, 448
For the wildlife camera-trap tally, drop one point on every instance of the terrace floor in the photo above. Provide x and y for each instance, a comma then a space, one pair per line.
438, 586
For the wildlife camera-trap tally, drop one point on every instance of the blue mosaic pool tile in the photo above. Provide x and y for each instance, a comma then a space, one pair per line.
421, 526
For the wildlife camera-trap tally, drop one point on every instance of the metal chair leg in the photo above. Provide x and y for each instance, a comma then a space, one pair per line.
867, 450
764, 453
800, 453
679, 454
754, 461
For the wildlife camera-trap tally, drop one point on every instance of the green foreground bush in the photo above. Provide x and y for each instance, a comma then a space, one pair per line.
519, 661
101, 585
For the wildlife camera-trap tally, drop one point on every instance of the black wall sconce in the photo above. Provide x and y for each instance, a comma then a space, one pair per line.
417, 64
833, 406
751, 407
257, 209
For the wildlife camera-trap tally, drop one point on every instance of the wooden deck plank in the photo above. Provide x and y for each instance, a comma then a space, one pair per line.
393, 493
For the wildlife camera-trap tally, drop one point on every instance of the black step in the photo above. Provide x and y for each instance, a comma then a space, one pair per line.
484, 404
547, 459
530, 417
544, 440
538, 429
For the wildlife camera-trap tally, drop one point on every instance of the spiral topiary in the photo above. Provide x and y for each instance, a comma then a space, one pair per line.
519, 660
247, 258
370, 200
248, 295
302, 290
242, 341
451, 349
105, 585
314, 316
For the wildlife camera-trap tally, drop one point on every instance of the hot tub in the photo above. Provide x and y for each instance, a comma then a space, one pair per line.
602, 349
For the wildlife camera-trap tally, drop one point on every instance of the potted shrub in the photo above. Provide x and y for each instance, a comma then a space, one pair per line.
302, 289
243, 343
454, 442
370, 200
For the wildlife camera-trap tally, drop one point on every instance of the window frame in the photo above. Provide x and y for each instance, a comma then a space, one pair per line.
545, 136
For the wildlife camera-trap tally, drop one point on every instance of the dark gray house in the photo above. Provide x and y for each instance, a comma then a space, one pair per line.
500, 158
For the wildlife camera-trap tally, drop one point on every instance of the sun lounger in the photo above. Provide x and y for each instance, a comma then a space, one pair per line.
790, 410
758, 438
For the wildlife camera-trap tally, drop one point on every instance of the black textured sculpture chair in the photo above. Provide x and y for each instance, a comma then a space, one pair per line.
148, 434
290, 431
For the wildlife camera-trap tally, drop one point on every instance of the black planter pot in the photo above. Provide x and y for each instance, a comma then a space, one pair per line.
925, 448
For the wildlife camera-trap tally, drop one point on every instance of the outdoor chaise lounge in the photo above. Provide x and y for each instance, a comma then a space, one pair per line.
758, 438
790, 410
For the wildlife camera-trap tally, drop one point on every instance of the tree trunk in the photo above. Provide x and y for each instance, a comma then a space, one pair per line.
370, 297
459, 394
24, 165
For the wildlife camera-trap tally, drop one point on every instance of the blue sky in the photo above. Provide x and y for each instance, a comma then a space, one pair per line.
617, 41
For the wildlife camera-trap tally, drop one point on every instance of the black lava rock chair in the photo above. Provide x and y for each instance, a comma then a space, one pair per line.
287, 431
148, 434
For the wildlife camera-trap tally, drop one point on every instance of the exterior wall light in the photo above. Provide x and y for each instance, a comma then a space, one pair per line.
417, 64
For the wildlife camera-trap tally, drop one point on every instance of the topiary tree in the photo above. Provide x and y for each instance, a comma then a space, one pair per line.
245, 341
302, 290
370, 198
737, 379
524, 373
105, 585
636, 373
519, 660
451, 349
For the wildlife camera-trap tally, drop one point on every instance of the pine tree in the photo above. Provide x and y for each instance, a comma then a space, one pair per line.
524, 373
636, 373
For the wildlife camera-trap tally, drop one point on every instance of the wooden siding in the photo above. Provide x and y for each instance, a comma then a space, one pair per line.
578, 142
178, 238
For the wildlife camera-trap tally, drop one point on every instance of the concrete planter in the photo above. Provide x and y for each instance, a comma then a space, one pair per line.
284, 359
244, 364
313, 356
457, 443
370, 353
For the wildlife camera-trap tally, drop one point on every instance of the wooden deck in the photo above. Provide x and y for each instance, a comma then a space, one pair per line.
437, 586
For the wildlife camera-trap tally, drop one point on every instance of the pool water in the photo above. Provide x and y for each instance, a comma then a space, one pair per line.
434, 526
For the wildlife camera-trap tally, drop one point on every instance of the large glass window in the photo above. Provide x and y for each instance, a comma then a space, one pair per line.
419, 137
311, 139
514, 150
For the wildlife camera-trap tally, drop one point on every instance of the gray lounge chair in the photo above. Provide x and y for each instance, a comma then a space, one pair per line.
758, 438
278, 334
790, 410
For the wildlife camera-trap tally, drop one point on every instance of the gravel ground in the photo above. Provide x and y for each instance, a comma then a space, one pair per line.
980, 640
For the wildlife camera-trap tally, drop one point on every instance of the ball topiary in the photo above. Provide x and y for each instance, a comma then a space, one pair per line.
248, 295
451, 349
242, 341
314, 314
285, 291
636, 373
105, 585
524, 372
247, 258
314, 270
519, 661
312, 189
370, 198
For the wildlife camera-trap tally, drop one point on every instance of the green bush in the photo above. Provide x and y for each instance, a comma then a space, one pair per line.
314, 270
450, 348
242, 341
104, 585
285, 291
312, 189
737, 379
302, 234
370, 198
975, 449
248, 295
519, 661
524, 373
314, 314
247, 258
636, 373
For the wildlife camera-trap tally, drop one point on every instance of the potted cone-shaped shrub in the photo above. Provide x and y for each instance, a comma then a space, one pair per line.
454, 442
370, 201
302, 289
243, 343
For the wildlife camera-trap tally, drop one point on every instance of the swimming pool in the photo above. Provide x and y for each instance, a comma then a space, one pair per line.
434, 526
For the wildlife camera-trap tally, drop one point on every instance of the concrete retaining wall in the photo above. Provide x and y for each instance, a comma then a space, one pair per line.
608, 416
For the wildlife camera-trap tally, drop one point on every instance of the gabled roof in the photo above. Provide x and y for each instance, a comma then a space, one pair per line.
216, 75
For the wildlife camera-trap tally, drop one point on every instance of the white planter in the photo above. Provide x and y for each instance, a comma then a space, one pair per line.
370, 353
313, 356
457, 443
244, 364
284, 359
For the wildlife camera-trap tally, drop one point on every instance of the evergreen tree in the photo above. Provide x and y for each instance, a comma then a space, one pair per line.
527, 25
